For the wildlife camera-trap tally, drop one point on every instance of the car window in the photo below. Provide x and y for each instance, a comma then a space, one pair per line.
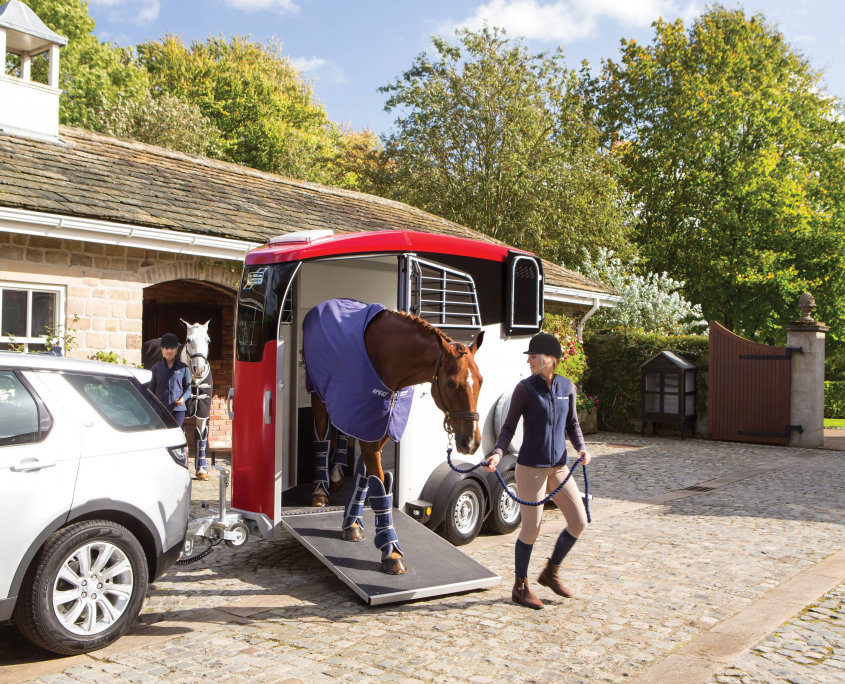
120, 401
18, 411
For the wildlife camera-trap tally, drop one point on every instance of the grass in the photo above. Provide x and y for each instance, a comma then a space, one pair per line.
834, 422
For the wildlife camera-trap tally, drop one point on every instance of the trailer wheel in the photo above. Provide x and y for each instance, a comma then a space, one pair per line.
464, 512
84, 589
505, 515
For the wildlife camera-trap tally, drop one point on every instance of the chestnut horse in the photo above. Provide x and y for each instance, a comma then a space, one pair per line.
406, 350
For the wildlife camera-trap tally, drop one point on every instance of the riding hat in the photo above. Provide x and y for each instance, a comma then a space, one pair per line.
169, 341
543, 343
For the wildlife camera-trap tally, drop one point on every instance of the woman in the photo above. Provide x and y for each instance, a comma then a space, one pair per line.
171, 381
546, 403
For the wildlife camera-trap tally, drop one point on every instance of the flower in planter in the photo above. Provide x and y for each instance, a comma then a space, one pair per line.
586, 402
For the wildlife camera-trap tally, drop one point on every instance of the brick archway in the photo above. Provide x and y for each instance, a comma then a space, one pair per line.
225, 274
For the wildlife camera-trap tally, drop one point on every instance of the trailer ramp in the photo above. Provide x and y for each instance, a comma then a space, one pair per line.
435, 567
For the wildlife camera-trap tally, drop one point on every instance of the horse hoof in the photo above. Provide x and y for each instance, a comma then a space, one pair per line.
319, 499
334, 486
394, 566
353, 534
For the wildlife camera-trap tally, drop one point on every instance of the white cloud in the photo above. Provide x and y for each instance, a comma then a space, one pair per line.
570, 20
278, 6
131, 11
314, 66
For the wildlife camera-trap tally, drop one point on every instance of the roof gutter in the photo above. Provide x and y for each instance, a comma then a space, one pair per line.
25, 222
569, 295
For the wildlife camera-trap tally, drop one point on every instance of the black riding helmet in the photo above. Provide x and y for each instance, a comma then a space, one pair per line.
543, 343
169, 341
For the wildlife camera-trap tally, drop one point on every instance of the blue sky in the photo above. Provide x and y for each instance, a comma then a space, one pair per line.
347, 48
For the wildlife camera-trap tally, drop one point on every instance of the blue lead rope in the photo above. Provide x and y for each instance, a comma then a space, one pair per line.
532, 503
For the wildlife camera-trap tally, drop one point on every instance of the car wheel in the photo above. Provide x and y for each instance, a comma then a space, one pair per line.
464, 512
505, 515
84, 589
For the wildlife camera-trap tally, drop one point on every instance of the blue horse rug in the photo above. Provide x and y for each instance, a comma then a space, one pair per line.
338, 368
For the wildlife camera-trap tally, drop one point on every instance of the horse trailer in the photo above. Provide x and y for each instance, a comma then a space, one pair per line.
461, 287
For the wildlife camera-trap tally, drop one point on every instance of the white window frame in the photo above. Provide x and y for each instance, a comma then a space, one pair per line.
59, 322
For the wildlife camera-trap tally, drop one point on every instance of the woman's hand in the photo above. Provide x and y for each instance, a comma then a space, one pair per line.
586, 455
179, 401
493, 460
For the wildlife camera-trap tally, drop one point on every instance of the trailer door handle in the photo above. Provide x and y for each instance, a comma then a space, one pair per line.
229, 398
30, 464
268, 396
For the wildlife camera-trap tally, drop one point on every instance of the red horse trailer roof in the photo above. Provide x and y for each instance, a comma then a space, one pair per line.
314, 244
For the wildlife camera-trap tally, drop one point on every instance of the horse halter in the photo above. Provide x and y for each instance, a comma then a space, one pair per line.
438, 399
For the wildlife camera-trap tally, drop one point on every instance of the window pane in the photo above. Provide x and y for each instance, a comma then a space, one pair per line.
670, 403
652, 403
117, 400
670, 382
14, 313
18, 411
43, 313
652, 382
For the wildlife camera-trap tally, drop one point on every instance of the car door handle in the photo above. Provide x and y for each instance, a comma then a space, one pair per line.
30, 464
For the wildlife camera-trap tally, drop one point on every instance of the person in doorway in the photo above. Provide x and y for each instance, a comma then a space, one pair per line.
171, 381
545, 401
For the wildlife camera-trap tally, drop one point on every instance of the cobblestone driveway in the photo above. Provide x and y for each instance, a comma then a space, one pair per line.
663, 575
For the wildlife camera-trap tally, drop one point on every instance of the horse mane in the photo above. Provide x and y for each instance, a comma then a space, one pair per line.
428, 328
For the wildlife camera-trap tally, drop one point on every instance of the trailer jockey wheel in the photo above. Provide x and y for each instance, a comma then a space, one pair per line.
241, 534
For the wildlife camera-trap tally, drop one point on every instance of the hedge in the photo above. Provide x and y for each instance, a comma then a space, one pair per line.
834, 399
615, 359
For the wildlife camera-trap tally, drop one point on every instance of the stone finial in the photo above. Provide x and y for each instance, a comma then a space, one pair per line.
806, 304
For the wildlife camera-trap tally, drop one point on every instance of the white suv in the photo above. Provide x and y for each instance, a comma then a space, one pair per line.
94, 498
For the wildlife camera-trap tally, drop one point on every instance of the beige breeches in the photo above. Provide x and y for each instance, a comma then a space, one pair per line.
534, 484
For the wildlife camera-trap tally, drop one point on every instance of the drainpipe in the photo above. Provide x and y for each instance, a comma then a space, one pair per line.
579, 327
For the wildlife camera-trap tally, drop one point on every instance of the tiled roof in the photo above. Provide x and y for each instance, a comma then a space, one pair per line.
93, 176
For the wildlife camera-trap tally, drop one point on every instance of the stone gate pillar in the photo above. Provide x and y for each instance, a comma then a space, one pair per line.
806, 403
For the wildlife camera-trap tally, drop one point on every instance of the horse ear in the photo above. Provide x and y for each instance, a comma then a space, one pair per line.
184, 322
476, 343
205, 325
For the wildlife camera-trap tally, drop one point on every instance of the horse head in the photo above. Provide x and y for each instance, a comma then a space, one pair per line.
455, 387
196, 348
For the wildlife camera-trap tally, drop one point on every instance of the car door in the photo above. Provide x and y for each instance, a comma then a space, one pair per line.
39, 459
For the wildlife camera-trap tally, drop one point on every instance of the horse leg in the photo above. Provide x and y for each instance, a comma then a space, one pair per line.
339, 459
201, 434
353, 518
381, 501
320, 497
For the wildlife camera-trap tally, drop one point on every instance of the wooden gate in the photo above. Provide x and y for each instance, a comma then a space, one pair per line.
749, 389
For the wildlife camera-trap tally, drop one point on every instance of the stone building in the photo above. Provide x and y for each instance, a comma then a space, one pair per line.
107, 243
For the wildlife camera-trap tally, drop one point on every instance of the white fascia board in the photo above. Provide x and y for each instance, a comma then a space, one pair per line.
568, 295
27, 222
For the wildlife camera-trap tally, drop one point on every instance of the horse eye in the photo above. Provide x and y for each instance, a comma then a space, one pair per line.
452, 385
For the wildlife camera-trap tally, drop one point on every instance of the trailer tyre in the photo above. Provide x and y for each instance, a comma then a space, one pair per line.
84, 589
464, 512
505, 515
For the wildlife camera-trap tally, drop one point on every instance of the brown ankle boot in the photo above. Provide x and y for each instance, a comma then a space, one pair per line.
549, 578
523, 595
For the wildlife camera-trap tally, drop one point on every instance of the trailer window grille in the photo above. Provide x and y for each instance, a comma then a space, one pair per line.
442, 296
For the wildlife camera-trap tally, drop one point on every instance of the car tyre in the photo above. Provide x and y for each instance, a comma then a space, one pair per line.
505, 515
84, 589
464, 512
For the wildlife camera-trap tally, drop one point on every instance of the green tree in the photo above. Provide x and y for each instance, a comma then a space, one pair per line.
265, 112
497, 139
733, 156
94, 77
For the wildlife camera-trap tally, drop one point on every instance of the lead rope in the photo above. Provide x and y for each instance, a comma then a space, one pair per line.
531, 503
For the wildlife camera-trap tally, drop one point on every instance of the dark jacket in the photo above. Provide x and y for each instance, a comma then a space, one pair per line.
169, 384
548, 416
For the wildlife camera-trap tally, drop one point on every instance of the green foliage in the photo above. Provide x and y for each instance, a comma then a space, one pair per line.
615, 359
834, 361
162, 120
497, 139
55, 338
734, 157
834, 399
264, 111
573, 363
108, 357
651, 302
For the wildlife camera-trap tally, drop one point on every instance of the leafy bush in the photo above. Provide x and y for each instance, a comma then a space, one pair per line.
615, 359
109, 357
586, 402
573, 363
834, 399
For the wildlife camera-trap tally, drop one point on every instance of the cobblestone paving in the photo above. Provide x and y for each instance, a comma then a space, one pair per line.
648, 581
808, 649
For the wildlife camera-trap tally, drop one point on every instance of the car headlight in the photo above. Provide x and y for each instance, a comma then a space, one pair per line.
180, 455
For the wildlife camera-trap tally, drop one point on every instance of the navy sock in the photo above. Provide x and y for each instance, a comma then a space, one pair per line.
522, 555
564, 543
